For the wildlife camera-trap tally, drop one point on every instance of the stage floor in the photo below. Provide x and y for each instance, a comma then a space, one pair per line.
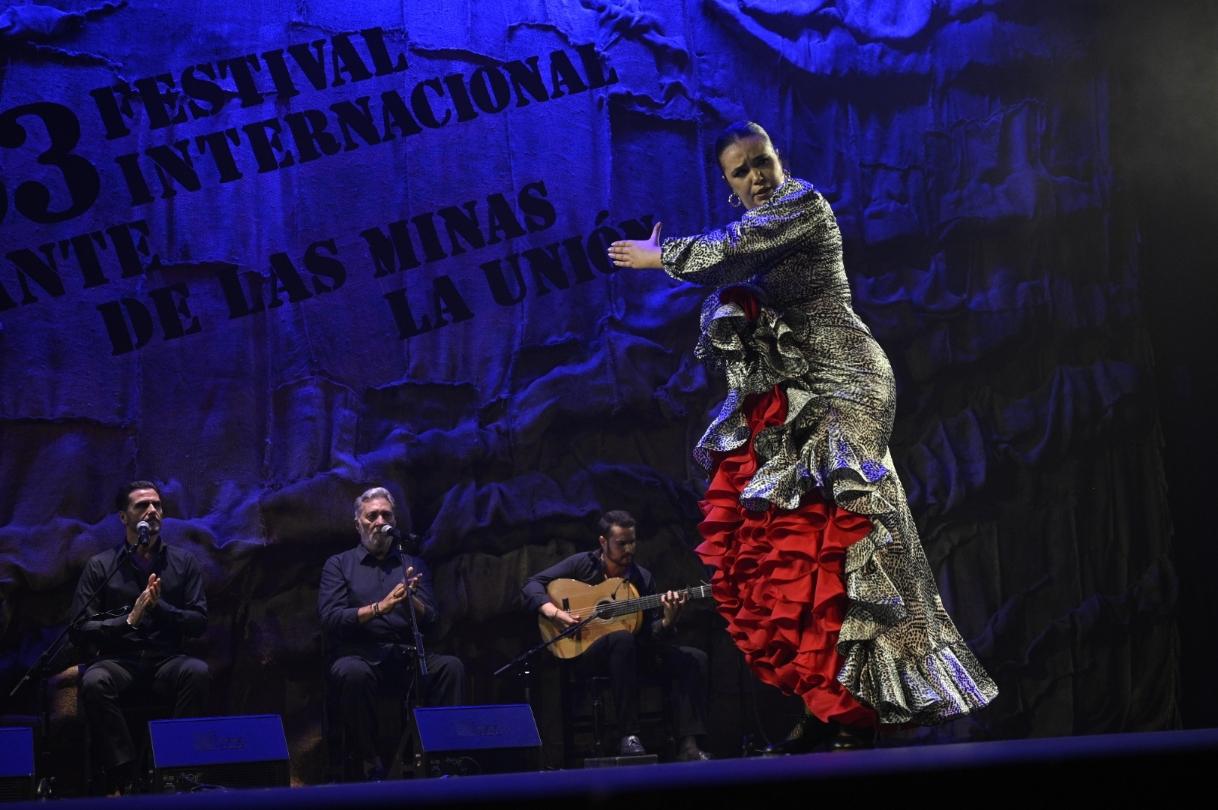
1122, 769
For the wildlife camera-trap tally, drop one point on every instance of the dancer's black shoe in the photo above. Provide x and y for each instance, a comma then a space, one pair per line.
850, 738
808, 735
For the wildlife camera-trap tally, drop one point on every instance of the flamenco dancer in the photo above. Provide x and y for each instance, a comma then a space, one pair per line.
818, 568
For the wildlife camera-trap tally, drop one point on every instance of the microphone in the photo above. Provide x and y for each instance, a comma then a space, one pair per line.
144, 529
408, 541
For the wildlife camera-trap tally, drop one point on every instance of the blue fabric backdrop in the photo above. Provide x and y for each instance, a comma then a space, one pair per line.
271, 253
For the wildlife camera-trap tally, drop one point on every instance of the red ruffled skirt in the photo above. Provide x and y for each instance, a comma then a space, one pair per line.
779, 577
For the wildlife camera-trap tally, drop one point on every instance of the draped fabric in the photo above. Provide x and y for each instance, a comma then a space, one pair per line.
363, 297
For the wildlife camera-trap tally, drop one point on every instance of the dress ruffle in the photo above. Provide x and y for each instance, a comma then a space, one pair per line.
819, 571
779, 579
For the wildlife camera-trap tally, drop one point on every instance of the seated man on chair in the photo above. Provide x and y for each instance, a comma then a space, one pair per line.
138, 649
363, 605
620, 654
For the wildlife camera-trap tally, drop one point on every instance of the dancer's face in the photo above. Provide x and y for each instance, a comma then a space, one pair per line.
752, 169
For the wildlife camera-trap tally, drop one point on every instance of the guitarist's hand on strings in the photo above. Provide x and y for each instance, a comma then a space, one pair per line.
672, 602
552, 612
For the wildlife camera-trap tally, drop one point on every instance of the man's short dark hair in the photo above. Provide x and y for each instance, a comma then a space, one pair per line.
617, 517
123, 496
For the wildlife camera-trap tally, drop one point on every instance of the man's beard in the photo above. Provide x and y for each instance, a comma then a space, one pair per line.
375, 543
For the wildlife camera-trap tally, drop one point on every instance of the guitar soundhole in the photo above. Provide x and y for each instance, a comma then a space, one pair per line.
604, 609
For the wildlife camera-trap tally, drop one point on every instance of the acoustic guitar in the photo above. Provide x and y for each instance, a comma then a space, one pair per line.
612, 605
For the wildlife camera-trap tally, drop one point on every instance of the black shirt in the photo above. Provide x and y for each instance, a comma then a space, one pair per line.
181, 611
589, 568
356, 578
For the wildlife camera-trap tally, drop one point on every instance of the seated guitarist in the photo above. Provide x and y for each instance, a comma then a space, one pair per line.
621, 654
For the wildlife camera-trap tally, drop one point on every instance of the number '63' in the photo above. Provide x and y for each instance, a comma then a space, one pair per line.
31, 198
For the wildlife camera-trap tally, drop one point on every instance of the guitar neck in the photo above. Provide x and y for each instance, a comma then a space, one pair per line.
648, 602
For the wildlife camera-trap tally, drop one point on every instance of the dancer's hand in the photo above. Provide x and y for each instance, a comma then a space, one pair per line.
638, 254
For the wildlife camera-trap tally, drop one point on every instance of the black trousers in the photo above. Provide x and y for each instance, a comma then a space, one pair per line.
179, 680
355, 682
622, 656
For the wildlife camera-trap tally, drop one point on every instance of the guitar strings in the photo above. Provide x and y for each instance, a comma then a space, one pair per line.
632, 605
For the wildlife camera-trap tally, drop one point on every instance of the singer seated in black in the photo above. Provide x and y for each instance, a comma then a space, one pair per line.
137, 620
363, 607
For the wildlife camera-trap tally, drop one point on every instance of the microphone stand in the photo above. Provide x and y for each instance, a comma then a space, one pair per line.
53, 650
522, 660
420, 654
56, 646
419, 680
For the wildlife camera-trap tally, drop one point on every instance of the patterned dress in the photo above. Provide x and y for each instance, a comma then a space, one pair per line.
818, 568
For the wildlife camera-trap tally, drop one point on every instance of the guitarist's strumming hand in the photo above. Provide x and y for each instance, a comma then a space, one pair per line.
672, 602
552, 612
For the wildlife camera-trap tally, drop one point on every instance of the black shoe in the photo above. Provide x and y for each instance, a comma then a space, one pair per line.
809, 734
631, 746
119, 780
692, 753
850, 739
373, 770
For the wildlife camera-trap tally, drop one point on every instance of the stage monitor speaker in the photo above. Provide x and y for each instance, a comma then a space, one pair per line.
16, 763
242, 751
464, 740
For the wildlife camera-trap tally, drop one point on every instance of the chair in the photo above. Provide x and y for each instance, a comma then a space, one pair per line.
139, 708
392, 738
589, 715
57, 733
